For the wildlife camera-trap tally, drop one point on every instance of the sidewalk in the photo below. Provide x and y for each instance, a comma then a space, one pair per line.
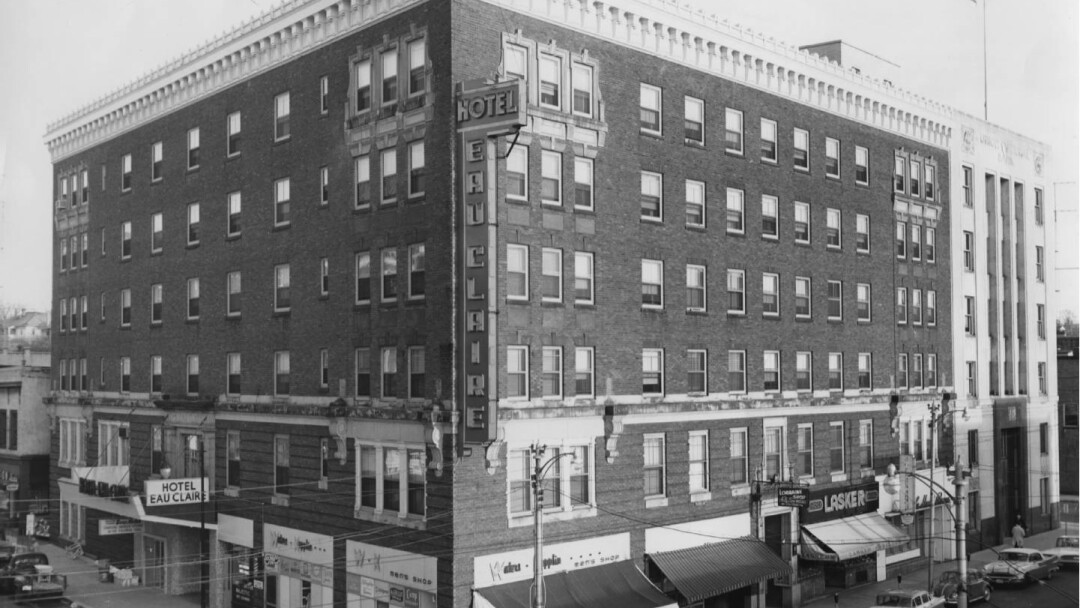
86, 590
866, 594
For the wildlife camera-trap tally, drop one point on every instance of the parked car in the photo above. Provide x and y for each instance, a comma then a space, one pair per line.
42, 584
1015, 566
1067, 550
907, 598
948, 586
19, 564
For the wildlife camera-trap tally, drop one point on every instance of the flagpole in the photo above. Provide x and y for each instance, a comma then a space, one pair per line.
986, 109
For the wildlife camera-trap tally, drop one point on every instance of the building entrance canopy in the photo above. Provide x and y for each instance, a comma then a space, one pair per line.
841, 539
619, 584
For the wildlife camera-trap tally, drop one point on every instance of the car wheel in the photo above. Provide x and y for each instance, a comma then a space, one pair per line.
986, 595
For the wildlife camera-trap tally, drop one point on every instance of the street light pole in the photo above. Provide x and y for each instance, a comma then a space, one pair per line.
959, 515
540, 468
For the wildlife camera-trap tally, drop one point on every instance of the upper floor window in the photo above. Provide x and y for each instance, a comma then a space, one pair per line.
282, 210
694, 120
550, 80
583, 183
733, 131
770, 369
324, 95
652, 371
193, 148
899, 175
517, 372
652, 197
363, 278
388, 164
233, 223
651, 106
517, 272
515, 60
193, 298
770, 221
802, 223
1038, 206
832, 157
416, 271
801, 147
125, 240
363, 86
193, 224
389, 275
929, 181
914, 177
582, 84
551, 275
862, 165
389, 60
835, 300
282, 294
282, 372
416, 169
517, 173
550, 178
652, 284
1040, 263
232, 134
156, 233
281, 116
125, 173
969, 194
695, 288
324, 186
735, 211
862, 233
583, 277
362, 176
768, 140
156, 160
832, 226
696, 203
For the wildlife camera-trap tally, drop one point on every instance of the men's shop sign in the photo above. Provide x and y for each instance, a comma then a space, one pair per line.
834, 503
162, 492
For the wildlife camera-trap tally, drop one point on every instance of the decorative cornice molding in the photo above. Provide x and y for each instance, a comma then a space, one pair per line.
293, 28
677, 33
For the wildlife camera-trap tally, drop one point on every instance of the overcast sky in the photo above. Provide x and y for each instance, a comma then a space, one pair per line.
59, 55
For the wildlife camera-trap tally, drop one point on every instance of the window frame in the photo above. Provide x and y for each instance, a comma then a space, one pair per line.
689, 103
521, 372
833, 229
695, 203
767, 124
733, 137
551, 259
652, 365
737, 359
698, 458
522, 251
551, 172
738, 287
804, 371
768, 291
551, 372
802, 208
648, 180
862, 165
832, 158
800, 151
839, 300
771, 372
655, 128
658, 267
584, 355
282, 288
659, 441
735, 211
282, 116
694, 357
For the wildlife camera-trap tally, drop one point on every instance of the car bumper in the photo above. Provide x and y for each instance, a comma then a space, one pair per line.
1005, 579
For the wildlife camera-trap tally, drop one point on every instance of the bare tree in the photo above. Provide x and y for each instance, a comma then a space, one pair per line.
1066, 323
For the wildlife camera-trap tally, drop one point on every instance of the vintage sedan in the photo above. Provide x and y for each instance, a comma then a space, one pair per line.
948, 586
1015, 566
1067, 550
907, 598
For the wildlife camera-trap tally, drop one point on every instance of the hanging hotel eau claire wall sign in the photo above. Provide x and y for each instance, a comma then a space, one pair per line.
835, 503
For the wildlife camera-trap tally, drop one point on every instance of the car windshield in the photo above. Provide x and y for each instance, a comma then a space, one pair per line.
950, 577
889, 599
1068, 541
1013, 556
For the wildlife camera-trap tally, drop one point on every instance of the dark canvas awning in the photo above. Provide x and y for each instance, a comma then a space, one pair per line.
619, 584
848, 537
718, 568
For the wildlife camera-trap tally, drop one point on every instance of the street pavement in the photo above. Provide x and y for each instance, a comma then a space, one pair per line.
1061, 592
85, 589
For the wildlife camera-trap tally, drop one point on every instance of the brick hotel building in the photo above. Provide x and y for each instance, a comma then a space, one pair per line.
704, 264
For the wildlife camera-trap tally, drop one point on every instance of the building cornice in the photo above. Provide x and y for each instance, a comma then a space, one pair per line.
678, 33
293, 28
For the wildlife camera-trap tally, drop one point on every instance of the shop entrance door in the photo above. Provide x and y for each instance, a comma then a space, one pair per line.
774, 538
153, 561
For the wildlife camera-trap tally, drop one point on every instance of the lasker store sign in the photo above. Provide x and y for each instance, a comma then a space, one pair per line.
834, 503
161, 492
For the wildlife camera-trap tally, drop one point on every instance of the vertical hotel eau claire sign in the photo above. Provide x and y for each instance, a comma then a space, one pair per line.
484, 112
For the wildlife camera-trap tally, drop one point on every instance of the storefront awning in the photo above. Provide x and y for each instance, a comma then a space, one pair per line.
848, 537
715, 569
620, 584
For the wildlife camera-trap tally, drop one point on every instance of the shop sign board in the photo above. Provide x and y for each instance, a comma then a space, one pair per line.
792, 497
512, 566
113, 527
409, 570
162, 492
835, 503
299, 545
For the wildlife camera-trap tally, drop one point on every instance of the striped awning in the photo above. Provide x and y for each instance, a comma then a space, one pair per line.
848, 537
714, 569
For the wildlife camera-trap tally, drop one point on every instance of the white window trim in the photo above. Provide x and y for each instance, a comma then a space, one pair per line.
661, 499
403, 481
703, 493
